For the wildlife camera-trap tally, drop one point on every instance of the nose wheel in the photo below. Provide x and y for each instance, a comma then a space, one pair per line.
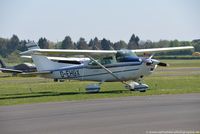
134, 86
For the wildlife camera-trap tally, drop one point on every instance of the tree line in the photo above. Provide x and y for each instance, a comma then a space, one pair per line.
15, 45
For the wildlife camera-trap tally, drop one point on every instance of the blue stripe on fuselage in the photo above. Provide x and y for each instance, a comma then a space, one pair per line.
107, 73
69, 68
94, 67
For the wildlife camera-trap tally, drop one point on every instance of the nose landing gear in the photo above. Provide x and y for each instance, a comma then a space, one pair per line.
134, 86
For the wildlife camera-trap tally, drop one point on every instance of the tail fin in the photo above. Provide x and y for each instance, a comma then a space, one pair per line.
32, 45
3, 65
42, 63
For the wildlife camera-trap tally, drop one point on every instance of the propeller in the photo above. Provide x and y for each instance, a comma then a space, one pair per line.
151, 61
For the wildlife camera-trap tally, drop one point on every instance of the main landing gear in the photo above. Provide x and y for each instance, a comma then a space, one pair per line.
132, 86
93, 88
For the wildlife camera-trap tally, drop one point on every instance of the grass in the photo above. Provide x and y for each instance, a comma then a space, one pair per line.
172, 80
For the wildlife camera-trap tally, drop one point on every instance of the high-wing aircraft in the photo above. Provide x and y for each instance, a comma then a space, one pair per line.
20, 68
100, 65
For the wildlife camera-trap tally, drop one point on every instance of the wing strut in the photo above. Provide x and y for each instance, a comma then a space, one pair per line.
107, 70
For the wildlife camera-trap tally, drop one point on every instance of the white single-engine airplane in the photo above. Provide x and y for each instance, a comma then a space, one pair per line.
100, 65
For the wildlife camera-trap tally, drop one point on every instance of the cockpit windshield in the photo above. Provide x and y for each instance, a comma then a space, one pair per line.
124, 54
121, 56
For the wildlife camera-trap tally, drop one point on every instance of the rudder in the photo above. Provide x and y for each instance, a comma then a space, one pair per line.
32, 45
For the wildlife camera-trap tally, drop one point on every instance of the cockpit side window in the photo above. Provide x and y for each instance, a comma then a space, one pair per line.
103, 61
106, 60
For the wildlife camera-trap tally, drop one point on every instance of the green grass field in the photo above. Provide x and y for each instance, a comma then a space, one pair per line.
183, 76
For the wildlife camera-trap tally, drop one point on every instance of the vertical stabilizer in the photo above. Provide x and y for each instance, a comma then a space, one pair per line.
3, 65
32, 45
42, 63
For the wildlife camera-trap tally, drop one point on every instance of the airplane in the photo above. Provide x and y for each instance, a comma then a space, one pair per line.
20, 68
196, 54
101, 65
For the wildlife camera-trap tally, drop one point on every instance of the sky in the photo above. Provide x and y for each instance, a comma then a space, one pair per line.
111, 19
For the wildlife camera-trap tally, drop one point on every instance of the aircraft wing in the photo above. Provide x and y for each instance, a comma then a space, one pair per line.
5, 70
60, 58
153, 50
96, 53
69, 52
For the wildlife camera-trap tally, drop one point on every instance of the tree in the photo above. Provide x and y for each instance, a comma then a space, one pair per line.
95, 44
91, 44
3, 47
67, 43
174, 43
133, 42
43, 43
22, 46
120, 45
13, 43
148, 44
163, 43
58, 45
196, 44
106, 44
82, 44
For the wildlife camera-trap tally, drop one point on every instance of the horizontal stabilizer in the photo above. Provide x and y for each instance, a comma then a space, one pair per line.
35, 74
5, 70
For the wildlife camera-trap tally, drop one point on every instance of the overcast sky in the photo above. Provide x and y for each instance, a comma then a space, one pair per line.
113, 19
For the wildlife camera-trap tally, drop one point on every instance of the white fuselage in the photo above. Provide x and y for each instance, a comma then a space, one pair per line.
123, 70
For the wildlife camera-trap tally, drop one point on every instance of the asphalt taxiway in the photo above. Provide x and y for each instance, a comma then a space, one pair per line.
127, 115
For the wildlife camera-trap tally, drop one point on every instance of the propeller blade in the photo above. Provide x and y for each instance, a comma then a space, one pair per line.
163, 64
150, 62
151, 56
